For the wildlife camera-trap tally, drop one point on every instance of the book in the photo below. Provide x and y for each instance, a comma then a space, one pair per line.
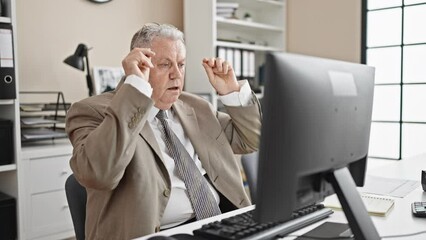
376, 205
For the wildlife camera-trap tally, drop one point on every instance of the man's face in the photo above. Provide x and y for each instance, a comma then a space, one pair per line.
167, 76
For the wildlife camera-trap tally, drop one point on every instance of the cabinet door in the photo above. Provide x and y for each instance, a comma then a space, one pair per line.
48, 174
49, 214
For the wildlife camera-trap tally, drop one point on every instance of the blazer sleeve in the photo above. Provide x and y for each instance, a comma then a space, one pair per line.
242, 126
104, 132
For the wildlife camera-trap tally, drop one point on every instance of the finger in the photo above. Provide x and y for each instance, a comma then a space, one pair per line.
145, 62
146, 51
219, 64
225, 67
211, 62
209, 70
144, 56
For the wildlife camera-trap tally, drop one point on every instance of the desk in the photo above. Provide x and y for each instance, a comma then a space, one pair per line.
398, 221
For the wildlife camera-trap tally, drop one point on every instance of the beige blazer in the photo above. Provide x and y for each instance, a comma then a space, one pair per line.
118, 160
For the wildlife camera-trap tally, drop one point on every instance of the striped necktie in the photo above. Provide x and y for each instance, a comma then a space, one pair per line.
199, 193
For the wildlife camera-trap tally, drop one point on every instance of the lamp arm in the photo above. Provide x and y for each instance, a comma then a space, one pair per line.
89, 77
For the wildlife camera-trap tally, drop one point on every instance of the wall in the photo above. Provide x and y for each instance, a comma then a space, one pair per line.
326, 28
50, 30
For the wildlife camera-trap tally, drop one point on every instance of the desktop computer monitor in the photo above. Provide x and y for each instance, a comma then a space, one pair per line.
314, 138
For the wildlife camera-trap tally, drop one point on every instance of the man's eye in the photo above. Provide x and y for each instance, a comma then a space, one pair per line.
181, 65
164, 65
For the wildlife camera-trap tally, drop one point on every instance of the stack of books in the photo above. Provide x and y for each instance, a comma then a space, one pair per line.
226, 9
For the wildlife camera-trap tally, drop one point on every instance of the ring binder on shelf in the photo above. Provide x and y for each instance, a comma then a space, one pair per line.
7, 68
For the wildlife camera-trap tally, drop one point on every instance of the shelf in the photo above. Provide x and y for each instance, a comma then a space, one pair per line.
246, 46
235, 23
33, 150
5, 20
7, 101
260, 4
8, 167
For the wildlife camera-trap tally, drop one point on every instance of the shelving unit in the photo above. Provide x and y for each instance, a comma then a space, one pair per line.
10, 174
36, 176
205, 31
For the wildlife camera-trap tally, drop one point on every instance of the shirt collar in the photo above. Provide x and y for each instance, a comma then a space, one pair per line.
153, 112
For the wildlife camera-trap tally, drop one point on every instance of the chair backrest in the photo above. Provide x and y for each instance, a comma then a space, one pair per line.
250, 163
76, 197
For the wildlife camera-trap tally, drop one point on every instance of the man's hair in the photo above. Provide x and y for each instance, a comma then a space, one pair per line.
149, 31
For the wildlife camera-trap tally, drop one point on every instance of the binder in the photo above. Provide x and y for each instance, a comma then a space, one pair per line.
7, 66
221, 52
252, 66
230, 56
6, 142
245, 66
237, 63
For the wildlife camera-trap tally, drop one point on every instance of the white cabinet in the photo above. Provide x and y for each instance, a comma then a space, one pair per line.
46, 168
205, 31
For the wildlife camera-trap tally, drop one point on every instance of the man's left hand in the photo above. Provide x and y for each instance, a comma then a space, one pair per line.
221, 75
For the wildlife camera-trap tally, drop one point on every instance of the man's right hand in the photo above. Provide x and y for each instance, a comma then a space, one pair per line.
138, 62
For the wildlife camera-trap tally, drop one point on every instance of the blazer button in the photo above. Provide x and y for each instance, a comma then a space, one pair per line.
131, 125
140, 110
138, 116
166, 192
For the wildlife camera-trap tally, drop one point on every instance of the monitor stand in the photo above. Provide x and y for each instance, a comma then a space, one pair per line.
360, 222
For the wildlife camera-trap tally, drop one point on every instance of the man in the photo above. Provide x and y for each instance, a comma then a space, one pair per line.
124, 158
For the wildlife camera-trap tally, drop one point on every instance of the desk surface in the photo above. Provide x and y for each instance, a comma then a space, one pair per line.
398, 221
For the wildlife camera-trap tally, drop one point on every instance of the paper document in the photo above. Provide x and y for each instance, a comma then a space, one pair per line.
42, 133
37, 120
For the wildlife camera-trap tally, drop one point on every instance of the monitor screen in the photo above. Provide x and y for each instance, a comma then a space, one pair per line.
316, 121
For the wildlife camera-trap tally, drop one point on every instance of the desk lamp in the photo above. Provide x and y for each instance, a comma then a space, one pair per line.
76, 61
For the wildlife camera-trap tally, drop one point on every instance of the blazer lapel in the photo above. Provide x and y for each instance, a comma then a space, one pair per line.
190, 125
148, 135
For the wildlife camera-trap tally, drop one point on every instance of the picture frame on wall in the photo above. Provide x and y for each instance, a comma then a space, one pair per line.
106, 78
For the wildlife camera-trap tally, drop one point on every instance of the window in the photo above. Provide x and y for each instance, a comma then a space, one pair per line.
394, 42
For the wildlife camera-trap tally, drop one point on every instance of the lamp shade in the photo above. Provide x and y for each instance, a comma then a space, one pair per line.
77, 59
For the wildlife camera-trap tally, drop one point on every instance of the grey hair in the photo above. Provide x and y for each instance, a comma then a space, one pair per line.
144, 37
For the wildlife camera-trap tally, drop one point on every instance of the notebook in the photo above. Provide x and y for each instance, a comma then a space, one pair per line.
375, 205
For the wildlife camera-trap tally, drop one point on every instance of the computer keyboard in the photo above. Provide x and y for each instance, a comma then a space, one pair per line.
243, 226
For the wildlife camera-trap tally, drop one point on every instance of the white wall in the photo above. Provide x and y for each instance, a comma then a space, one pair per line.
50, 30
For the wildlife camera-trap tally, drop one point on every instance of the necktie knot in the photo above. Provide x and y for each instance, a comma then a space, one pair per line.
161, 115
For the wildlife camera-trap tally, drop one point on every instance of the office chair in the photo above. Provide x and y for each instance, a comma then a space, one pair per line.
250, 163
76, 197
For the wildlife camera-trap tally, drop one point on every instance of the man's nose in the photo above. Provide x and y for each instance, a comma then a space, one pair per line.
175, 72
